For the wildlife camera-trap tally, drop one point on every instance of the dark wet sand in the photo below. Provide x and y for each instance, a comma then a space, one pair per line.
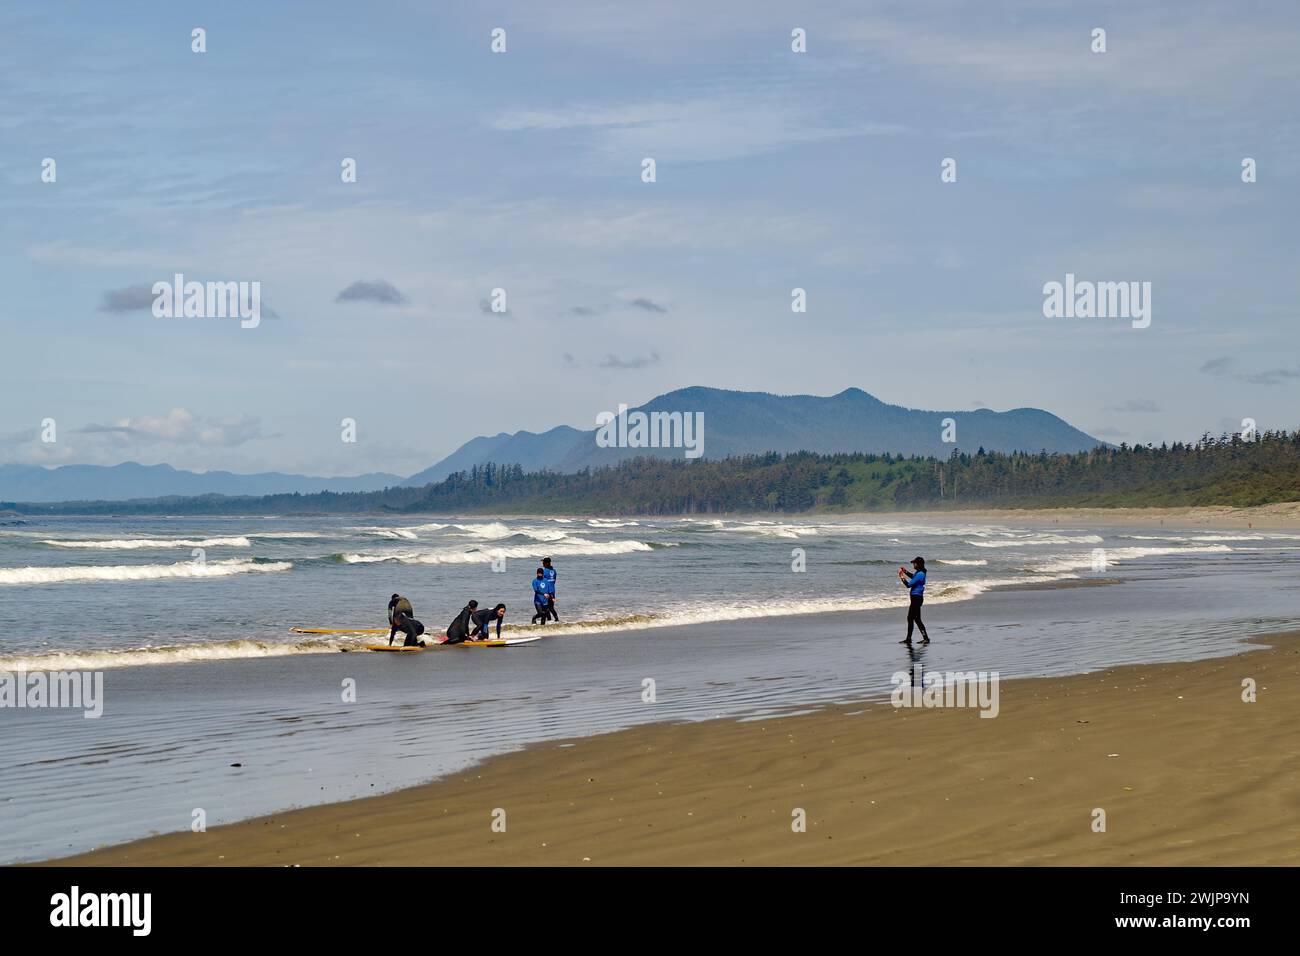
1187, 773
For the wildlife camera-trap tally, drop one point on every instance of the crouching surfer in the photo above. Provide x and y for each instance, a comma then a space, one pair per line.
483, 621
410, 627
458, 630
397, 605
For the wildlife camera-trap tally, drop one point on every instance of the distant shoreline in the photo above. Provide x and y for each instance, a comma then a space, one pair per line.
1276, 516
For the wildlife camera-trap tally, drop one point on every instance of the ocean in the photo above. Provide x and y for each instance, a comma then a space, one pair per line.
212, 703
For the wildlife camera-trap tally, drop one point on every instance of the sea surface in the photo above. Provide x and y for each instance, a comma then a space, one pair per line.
189, 621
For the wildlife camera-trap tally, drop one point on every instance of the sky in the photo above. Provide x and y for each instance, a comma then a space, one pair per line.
522, 171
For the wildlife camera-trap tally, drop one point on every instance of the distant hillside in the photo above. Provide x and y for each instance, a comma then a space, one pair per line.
1225, 471
754, 423
132, 480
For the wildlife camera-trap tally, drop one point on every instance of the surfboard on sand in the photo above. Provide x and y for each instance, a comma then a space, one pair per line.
394, 648
339, 630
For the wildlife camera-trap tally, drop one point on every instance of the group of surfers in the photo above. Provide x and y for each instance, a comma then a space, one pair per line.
473, 622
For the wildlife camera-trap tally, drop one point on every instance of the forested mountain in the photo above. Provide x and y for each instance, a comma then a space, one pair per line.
1222, 471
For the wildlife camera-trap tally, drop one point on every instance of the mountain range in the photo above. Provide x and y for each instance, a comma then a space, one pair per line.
734, 423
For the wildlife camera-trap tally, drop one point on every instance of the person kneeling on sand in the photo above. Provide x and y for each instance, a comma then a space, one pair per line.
458, 630
483, 620
915, 584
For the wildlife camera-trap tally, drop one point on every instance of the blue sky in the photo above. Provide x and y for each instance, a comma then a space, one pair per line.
522, 171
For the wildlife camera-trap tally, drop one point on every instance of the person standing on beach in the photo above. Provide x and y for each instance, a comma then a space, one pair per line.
548, 573
915, 584
541, 600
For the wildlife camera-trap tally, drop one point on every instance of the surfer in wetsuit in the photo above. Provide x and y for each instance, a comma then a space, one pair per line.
458, 630
397, 605
410, 627
541, 600
483, 620
915, 584
548, 573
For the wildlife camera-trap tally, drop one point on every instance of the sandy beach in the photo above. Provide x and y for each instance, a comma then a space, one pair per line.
1186, 771
1284, 516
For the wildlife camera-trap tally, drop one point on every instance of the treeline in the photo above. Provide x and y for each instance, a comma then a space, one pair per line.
1213, 471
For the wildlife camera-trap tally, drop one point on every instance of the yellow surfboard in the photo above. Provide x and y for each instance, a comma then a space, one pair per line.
339, 630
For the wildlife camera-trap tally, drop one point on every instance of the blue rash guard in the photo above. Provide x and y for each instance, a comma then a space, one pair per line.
548, 577
539, 591
916, 584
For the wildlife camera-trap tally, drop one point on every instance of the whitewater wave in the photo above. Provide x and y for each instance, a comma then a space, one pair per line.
1117, 555
495, 531
136, 572
165, 654
479, 555
1038, 540
134, 544
964, 562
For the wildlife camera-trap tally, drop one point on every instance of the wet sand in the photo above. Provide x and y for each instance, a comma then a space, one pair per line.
1187, 773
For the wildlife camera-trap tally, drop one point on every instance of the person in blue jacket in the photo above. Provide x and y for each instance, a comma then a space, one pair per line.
541, 600
548, 573
915, 584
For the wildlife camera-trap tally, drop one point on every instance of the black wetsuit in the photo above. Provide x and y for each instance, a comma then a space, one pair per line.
483, 619
914, 616
458, 630
411, 628
396, 606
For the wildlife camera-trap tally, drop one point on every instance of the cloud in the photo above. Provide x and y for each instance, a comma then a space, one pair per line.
638, 361
1272, 376
181, 427
135, 298
726, 126
1135, 405
648, 305
1109, 432
378, 291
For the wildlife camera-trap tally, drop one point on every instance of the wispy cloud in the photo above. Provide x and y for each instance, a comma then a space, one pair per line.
136, 298
613, 361
647, 305
377, 290
181, 427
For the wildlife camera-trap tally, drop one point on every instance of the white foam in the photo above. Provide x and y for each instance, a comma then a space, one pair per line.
485, 553
135, 572
1116, 555
133, 544
1038, 540
974, 562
